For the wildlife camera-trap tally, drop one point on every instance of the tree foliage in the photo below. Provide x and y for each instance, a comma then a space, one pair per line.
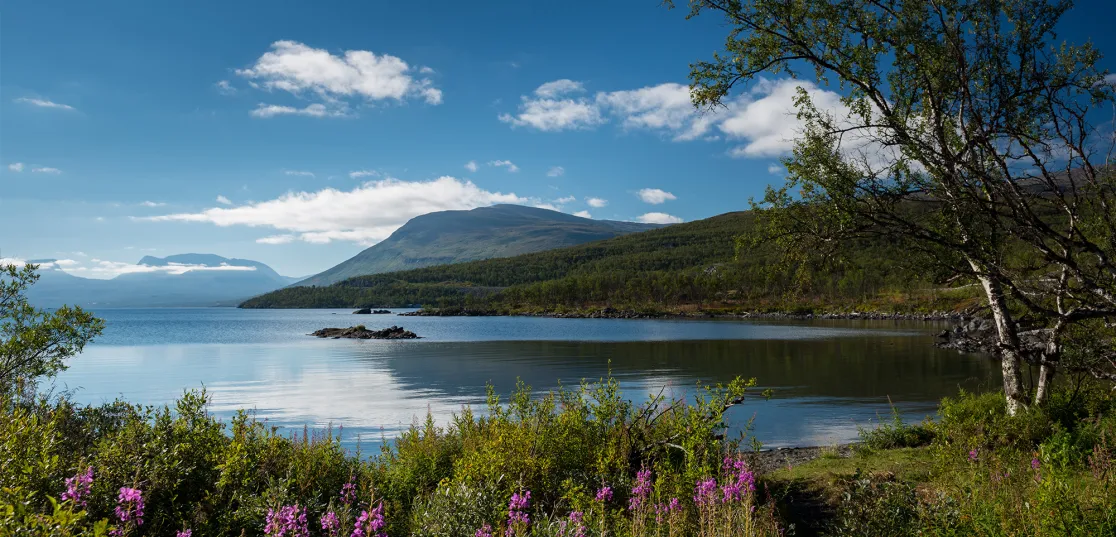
965, 133
34, 342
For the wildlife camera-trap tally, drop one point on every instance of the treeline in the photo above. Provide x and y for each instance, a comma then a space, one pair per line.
696, 264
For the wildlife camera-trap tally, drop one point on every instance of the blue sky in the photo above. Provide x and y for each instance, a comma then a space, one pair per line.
322, 130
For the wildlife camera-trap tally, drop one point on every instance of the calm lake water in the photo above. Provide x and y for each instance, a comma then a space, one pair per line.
828, 377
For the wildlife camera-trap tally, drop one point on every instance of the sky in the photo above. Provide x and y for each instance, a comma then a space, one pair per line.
300, 133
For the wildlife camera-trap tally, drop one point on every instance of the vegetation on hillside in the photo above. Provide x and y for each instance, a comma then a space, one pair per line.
696, 264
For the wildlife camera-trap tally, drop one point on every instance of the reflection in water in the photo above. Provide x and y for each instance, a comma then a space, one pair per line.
824, 387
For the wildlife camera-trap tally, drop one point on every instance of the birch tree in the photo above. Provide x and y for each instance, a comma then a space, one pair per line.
968, 133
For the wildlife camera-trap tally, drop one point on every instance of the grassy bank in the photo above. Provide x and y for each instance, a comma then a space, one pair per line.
575, 462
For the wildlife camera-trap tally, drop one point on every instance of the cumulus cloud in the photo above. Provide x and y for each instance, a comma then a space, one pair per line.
565, 200
471, 165
224, 88
658, 218
655, 196
152, 204
223, 200
44, 103
276, 239
665, 107
363, 173
551, 109
558, 88
556, 171
762, 122
45, 169
583, 214
775, 169
512, 168
264, 110
596, 202
16, 167
300, 70
366, 214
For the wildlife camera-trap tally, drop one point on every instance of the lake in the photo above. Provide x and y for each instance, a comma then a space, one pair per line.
828, 377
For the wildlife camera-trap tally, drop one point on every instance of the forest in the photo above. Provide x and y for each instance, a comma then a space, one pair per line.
707, 264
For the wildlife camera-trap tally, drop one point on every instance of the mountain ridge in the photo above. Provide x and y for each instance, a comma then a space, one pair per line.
448, 237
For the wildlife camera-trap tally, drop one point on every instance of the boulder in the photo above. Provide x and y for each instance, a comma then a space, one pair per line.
360, 332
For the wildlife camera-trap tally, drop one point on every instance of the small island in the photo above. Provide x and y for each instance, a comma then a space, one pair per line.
370, 311
360, 332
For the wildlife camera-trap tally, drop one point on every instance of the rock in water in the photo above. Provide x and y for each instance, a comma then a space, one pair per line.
360, 332
363, 311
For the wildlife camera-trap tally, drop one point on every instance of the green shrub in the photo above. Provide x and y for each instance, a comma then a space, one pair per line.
897, 434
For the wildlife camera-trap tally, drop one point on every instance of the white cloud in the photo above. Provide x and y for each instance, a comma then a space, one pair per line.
365, 214
224, 88
299, 173
43, 103
775, 169
16, 167
655, 196
512, 168
276, 239
223, 200
363, 173
658, 218
556, 171
152, 204
264, 110
558, 88
547, 206
300, 69
565, 200
666, 107
583, 214
596, 202
545, 111
44, 169
471, 165
102, 269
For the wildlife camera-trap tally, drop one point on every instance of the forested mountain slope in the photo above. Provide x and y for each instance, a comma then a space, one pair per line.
695, 263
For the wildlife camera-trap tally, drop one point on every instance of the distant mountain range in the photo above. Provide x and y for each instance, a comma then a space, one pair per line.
488, 232
177, 280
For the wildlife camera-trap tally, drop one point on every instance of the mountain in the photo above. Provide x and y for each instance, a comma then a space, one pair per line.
457, 236
177, 280
699, 265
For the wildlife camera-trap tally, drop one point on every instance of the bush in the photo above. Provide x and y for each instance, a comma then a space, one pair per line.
897, 434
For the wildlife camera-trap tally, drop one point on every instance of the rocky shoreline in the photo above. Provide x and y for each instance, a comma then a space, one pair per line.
370, 311
360, 332
611, 313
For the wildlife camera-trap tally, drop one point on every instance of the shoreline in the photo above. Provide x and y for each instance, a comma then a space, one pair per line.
610, 313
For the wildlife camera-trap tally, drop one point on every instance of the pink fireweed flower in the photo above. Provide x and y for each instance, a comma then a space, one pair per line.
77, 487
604, 494
741, 480
348, 493
331, 524
641, 490
577, 520
972, 455
288, 521
129, 505
704, 492
517, 512
184, 533
484, 531
1035, 464
372, 520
